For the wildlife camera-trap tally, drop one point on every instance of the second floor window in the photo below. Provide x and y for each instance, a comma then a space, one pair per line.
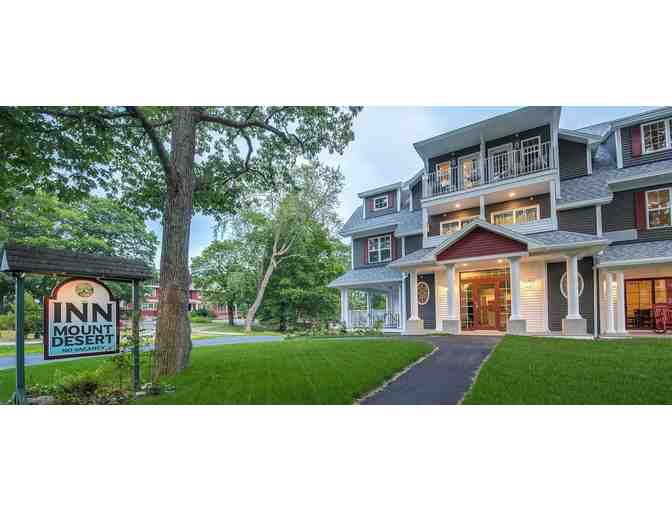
656, 136
515, 216
379, 249
380, 203
658, 208
450, 227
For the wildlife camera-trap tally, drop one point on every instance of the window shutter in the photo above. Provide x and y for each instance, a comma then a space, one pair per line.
640, 210
393, 247
366, 251
369, 204
391, 198
636, 141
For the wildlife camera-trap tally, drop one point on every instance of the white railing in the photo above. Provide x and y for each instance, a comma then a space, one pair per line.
497, 167
369, 319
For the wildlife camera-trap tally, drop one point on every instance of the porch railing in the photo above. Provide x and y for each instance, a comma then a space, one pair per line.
369, 319
501, 166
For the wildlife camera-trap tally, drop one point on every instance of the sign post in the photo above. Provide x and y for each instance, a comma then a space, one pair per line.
20, 391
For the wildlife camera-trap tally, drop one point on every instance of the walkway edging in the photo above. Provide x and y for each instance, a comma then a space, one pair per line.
396, 376
477, 373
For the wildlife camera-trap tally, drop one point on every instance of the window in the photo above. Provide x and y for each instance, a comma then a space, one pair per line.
451, 226
443, 174
380, 203
380, 249
469, 166
656, 136
514, 216
658, 213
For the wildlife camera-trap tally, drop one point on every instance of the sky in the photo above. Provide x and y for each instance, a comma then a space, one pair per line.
383, 152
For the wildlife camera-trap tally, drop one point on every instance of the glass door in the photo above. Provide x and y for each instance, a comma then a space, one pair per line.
487, 307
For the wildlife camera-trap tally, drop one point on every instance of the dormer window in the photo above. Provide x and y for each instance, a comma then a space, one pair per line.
656, 136
381, 202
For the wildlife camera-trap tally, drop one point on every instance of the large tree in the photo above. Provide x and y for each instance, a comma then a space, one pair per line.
168, 162
271, 231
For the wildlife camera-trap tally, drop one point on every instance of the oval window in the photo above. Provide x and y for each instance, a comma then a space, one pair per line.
423, 293
563, 285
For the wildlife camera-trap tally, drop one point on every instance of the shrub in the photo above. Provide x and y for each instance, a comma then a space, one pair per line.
198, 319
7, 321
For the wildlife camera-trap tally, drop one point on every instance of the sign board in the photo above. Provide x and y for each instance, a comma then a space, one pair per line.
81, 318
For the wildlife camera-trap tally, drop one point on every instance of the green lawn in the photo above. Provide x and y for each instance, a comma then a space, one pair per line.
10, 350
526, 370
287, 372
222, 326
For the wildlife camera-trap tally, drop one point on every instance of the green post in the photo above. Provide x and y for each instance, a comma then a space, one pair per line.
136, 335
20, 393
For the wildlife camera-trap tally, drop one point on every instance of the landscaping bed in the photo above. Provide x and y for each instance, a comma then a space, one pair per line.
288, 372
527, 370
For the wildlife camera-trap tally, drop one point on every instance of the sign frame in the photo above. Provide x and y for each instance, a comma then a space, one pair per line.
45, 318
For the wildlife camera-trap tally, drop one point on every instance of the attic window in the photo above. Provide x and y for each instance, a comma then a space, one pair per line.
656, 136
380, 203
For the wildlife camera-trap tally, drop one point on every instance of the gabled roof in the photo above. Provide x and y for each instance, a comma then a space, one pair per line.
367, 276
17, 258
407, 222
380, 189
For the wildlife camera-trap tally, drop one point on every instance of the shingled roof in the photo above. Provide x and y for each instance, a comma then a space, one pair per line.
35, 259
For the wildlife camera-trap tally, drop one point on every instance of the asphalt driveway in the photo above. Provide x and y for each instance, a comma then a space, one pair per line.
444, 377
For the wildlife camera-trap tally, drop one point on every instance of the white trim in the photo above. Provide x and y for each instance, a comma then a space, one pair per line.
619, 148
382, 208
668, 138
380, 190
460, 170
589, 160
598, 220
482, 258
357, 285
398, 199
403, 246
583, 203
635, 262
514, 211
460, 223
669, 207
505, 147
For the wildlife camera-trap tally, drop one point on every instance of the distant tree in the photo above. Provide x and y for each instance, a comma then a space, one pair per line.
271, 231
298, 289
222, 275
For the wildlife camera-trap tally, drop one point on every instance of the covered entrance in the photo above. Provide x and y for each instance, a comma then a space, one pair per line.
485, 299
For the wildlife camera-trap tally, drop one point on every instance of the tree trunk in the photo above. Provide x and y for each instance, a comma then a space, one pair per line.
230, 312
173, 330
249, 318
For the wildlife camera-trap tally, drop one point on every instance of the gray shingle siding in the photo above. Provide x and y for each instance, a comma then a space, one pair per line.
557, 303
573, 160
578, 220
413, 243
544, 132
416, 194
629, 159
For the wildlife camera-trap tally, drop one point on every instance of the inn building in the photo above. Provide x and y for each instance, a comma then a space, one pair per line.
515, 224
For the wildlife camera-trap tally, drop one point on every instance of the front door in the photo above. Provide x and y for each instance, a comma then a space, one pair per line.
426, 303
484, 304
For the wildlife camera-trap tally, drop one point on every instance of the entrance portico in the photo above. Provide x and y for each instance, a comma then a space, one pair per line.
490, 278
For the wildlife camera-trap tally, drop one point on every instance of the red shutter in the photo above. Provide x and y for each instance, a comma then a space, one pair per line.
369, 204
366, 250
636, 141
640, 210
391, 197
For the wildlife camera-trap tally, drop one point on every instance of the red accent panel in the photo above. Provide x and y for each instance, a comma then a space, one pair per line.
369, 204
480, 242
390, 199
636, 141
640, 210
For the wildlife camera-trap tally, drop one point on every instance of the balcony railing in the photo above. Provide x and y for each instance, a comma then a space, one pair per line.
502, 166
364, 319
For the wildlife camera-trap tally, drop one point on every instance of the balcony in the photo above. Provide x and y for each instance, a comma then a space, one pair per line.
467, 174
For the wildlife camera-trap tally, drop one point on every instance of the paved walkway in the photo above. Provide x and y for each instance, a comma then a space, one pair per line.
444, 377
37, 359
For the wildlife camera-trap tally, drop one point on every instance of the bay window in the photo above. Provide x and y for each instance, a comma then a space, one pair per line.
379, 249
658, 208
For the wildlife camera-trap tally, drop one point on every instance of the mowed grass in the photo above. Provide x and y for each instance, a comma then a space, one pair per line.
286, 372
526, 370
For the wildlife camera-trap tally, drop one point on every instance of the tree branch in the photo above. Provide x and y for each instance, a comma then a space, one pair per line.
156, 141
243, 125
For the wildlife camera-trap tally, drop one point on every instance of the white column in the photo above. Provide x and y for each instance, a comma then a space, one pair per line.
610, 303
620, 302
573, 287
450, 287
482, 204
552, 200
401, 307
345, 316
368, 308
413, 287
514, 262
